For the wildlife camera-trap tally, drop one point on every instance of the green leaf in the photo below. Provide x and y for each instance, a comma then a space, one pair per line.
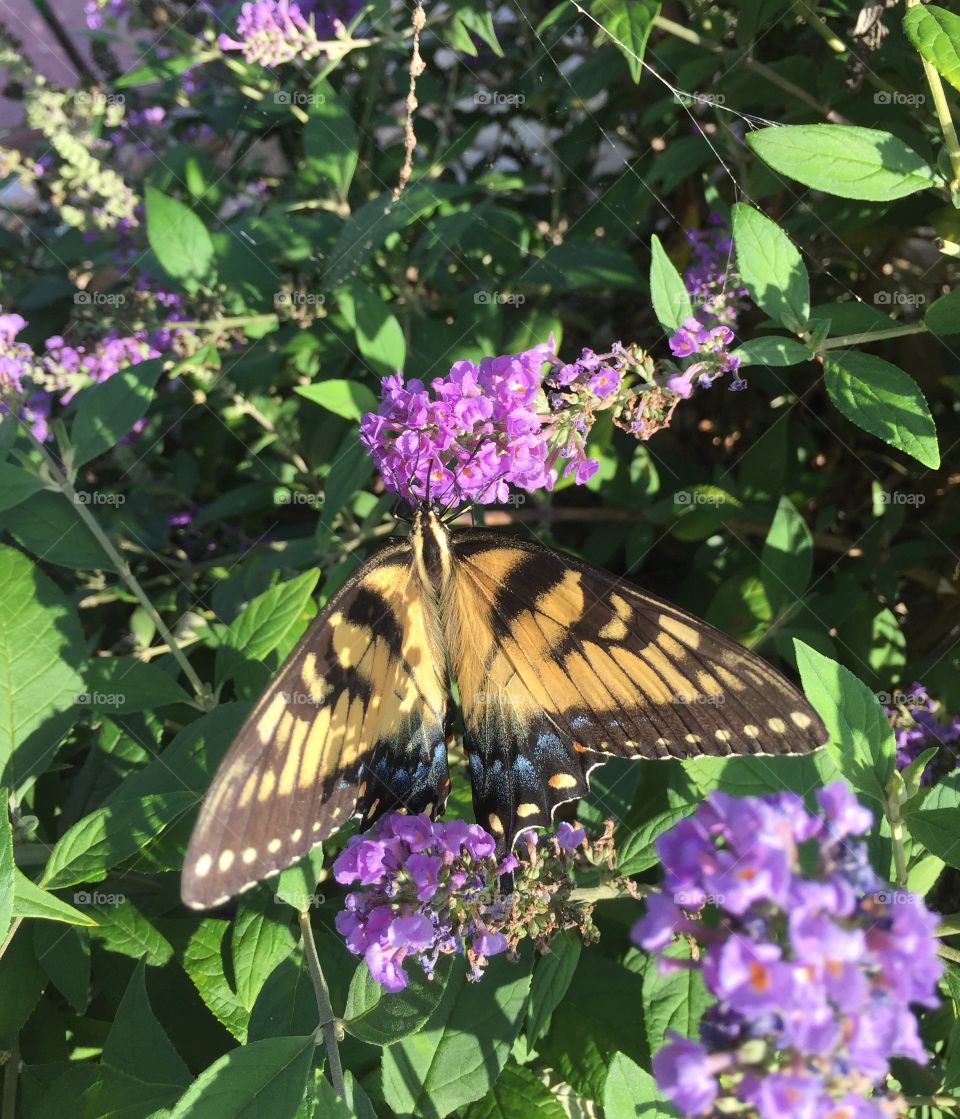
380, 1018
458, 1055
179, 240
883, 400
22, 981
671, 300
935, 33
787, 557
297, 885
265, 624
264, 1079
108, 411
86, 851
518, 1094
379, 335
628, 23
64, 954
49, 525
137, 1044
637, 852
845, 160
772, 351
203, 963
471, 18
259, 940
330, 142
861, 738
552, 975
943, 314
351, 468
41, 646
630, 1091
349, 399
7, 868
672, 1000
771, 267
756, 776
29, 900
122, 685
122, 928
16, 485
583, 265
938, 829
287, 1003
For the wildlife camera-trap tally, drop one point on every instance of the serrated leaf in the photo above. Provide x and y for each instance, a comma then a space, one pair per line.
380, 1018
179, 240
938, 829
935, 33
843, 159
29, 900
771, 267
628, 23
122, 928
265, 1078
552, 975
671, 300
631, 1091
137, 1044
861, 738
107, 412
349, 399
259, 940
265, 623
943, 315
41, 647
672, 1000
637, 853
518, 1094
203, 963
107, 836
884, 400
122, 685
772, 351
287, 1002
297, 885
458, 1055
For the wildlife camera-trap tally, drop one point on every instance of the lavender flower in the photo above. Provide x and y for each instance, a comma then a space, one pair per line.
709, 346
272, 32
813, 965
917, 727
710, 278
16, 358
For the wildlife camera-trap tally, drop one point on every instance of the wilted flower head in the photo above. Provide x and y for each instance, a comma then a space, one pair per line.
813, 961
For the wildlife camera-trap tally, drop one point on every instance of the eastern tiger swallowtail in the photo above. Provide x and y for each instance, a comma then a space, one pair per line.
559, 665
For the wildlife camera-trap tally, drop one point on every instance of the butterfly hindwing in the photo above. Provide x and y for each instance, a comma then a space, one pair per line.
365, 687
557, 661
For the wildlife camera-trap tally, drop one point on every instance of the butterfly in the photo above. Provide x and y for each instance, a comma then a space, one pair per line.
558, 666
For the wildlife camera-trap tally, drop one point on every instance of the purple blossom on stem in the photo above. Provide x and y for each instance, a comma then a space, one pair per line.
272, 32
914, 718
709, 346
814, 964
711, 277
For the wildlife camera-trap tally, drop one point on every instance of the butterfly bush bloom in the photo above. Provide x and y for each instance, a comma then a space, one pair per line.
512, 420
275, 31
428, 889
711, 279
916, 727
813, 961
708, 346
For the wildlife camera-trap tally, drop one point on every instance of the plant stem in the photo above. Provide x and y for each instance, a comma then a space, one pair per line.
328, 1023
942, 110
899, 857
65, 486
230, 322
587, 895
873, 336
942, 1102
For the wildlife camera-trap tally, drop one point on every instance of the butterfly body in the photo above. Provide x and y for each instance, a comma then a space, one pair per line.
558, 665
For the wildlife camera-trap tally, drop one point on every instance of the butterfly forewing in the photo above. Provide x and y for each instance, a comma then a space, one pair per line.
358, 710
558, 662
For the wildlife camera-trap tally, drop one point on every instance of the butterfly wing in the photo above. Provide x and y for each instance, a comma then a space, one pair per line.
559, 663
356, 718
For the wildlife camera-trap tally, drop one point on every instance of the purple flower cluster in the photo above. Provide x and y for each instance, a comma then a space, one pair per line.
16, 358
95, 10
272, 32
813, 961
428, 889
74, 367
710, 277
709, 346
515, 419
916, 727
